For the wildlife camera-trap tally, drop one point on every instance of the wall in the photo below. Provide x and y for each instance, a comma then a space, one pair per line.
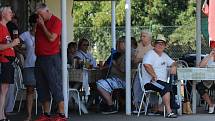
55, 7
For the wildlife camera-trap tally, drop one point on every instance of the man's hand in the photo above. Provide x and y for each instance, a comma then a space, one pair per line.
173, 70
154, 78
212, 53
40, 20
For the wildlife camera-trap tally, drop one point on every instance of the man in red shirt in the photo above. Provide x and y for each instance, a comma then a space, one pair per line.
7, 56
48, 64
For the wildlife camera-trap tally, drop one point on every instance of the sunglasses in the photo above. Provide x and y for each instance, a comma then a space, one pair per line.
85, 44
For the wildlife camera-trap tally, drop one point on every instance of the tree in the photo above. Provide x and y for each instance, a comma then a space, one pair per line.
96, 16
184, 35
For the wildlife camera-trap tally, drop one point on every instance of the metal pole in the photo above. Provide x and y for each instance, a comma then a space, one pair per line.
198, 48
113, 24
72, 21
64, 56
128, 56
198, 32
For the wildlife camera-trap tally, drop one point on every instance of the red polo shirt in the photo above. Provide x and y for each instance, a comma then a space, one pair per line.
4, 39
43, 46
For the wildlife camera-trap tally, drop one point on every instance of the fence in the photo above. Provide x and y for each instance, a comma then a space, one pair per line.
181, 39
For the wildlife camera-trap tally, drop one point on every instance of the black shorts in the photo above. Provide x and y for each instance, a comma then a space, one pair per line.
202, 89
7, 73
150, 86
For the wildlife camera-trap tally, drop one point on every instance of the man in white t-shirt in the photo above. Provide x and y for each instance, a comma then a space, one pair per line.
204, 86
156, 63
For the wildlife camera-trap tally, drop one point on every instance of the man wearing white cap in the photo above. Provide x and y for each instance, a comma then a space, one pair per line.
155, 63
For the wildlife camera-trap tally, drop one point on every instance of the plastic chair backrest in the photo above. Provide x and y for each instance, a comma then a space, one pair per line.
18, 77
141, 70
182, 64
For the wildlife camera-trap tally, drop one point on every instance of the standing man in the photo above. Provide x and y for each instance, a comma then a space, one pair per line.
48, 63
7, 55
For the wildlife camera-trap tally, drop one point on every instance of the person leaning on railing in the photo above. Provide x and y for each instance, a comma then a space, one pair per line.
204, 86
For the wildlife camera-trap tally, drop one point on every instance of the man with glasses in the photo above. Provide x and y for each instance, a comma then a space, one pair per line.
155, 63
48, 63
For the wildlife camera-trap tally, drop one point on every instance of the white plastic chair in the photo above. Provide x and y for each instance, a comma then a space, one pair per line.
20, 88
146, 93
72, 92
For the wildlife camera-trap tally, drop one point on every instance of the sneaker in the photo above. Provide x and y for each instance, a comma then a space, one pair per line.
43, 118
136, 111
59, 118
211, 109
109, 110
171, 115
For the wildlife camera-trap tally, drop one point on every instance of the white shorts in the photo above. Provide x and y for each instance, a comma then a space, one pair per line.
110, 84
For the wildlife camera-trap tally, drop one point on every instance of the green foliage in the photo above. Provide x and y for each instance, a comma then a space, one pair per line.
184, 35
92, 20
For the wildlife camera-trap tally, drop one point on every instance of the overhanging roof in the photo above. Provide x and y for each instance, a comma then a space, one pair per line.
95, 0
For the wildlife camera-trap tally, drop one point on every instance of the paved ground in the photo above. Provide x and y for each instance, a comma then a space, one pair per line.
73, 116
123, 117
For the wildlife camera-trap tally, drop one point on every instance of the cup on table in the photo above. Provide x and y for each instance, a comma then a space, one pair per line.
80, 64
75, 63
15, 34
90, 66
100, 63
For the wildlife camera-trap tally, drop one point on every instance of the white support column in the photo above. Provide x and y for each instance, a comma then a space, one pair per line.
113, 24
64, 56
198, 48
128, 56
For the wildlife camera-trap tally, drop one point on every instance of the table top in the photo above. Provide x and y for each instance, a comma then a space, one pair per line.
76, 75
195, 73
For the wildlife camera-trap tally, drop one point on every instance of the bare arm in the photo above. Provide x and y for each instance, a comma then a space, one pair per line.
9, 45
118, 66
51, 36
204, 62
150, 71
173, 68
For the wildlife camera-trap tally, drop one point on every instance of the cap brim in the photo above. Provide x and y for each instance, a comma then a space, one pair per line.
159, 41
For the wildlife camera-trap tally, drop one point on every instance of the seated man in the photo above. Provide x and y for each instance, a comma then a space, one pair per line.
203, 87
155, 63
115, 80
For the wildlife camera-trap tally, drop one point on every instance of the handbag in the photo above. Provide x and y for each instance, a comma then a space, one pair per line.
187, 108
